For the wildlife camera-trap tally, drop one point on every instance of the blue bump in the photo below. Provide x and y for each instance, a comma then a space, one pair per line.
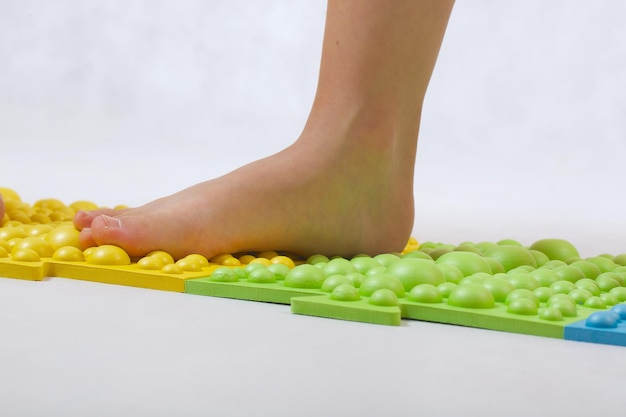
603, 320
620, 310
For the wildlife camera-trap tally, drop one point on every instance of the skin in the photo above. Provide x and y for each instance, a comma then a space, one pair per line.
345, 186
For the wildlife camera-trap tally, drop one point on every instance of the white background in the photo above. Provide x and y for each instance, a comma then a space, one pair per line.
523, 136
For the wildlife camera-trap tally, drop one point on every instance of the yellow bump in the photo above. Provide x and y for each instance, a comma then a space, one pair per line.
172, 269
107, 255
163, 256
40, 218
38, 229
412, 245
13, 242
12, 223
10, 205
246, 259
63, 214
3, 252
43, 210
25, 255
219, 259
199, 258
9, 194
192, 265
51, 203
68, 254
37, 244
262, 261
4, 244
83, 205
232, 261
64, 235
151, 263
120, 207
268, 254
19, 216
88, 251
283, 260
8, 233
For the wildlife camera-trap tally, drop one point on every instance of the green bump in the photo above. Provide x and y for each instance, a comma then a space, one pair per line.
280, 271
521, 293
511, 256
551, 264
556, 249
620, 259
446, 288
609, 299
495, 266
545, 276
595, 302
540, 257
563, 287
589, 285
386, 259
589, 269
484, 246
333, 281
607, 281
544, 293
619, 293
417, 254
551, 314
224, 275
471, 296
569, 273
364, 263
315, 259
425, 293
509, 242
384, 297
468, 262
356, 278
467, 248
499, 287
261, 276
411, 272
521, 280
450, 272
564, 303
305, 276
339, 266
523, 306
381, 280
580, 295
345, 292
605, 264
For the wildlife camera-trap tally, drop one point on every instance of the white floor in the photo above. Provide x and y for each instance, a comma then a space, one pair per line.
523, 137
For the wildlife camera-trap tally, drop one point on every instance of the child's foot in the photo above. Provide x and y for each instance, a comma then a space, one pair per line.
310, 198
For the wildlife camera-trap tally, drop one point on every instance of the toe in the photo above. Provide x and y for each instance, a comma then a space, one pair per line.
126, 232
83, 219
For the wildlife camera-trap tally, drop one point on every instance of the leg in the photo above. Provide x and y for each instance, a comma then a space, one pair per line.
346, 185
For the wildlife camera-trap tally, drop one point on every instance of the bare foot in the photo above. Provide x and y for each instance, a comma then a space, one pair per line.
306, 199
346, 186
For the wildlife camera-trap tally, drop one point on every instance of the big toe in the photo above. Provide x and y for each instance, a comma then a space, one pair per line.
124, 231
